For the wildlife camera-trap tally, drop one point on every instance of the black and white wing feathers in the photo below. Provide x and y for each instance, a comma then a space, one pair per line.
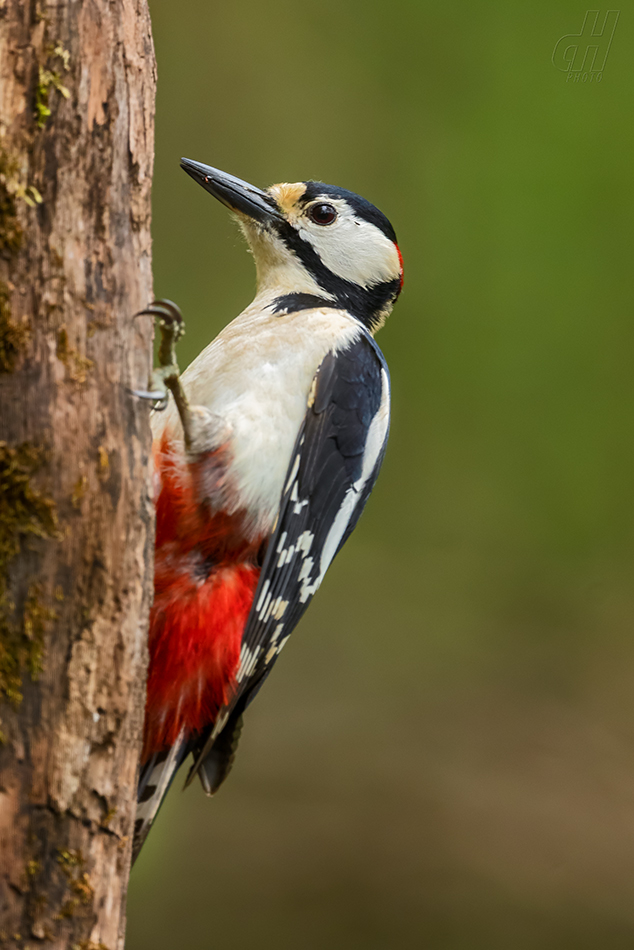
333, 468
157, 774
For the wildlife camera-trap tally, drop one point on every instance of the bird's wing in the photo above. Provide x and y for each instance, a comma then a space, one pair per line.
157, 774
334, 465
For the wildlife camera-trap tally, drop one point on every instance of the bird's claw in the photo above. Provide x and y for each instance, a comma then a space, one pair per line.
172, 327
160, 397
165, 376
165, 310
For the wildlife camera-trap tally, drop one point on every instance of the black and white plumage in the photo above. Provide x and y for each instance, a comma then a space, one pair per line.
333, 468
290, 410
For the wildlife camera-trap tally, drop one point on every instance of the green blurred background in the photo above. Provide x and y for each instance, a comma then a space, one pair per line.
444, 755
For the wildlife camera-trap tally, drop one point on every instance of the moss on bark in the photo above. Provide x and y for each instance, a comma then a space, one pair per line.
24, 511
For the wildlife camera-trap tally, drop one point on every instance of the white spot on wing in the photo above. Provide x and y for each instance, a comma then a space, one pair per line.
262, 611
307, 567
279, 609
286, 556
221, 722
265, 588
248, 659
305, 541
273, 648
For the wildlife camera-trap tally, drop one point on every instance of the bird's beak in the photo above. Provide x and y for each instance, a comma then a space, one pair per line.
236, 194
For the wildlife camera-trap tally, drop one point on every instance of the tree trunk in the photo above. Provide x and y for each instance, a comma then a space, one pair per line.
77, 84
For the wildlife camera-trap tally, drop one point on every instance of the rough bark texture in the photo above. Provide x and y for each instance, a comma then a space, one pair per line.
77, 84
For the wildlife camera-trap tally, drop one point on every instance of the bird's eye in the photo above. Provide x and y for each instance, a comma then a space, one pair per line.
322, 213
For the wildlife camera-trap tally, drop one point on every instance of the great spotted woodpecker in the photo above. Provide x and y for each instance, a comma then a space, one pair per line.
264, 461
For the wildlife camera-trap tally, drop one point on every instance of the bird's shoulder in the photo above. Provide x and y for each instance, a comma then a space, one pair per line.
266, 331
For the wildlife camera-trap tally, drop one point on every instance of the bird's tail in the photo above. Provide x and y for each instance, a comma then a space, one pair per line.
155, 779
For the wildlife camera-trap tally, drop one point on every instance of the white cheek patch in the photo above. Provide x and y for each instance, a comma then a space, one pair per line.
354, 249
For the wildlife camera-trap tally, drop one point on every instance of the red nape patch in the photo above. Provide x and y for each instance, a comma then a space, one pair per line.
195, 635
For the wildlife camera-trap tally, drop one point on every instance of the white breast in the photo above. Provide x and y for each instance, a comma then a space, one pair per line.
256, 375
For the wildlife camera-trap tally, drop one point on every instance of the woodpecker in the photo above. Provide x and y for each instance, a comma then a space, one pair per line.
264, 460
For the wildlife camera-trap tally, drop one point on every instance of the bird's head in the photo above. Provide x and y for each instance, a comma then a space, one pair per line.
314, 243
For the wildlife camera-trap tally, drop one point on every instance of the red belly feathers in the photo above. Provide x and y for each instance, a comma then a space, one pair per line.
206, 572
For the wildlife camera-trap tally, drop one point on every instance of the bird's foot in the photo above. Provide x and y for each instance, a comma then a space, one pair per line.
166, 376
202, 430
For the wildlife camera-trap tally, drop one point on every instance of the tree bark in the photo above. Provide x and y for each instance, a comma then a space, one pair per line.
77, 85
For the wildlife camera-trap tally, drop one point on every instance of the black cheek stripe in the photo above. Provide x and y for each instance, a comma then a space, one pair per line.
366, 304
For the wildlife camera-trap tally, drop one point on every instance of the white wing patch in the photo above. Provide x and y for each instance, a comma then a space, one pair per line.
374, 443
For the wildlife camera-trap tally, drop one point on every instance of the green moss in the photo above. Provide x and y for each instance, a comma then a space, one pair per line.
24, 511
32, 869
69, 859
67, 909
78, 366
107, 818
10, 230
13, 336
22, 645
82, 891
47, 80
103, 464
81, 486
